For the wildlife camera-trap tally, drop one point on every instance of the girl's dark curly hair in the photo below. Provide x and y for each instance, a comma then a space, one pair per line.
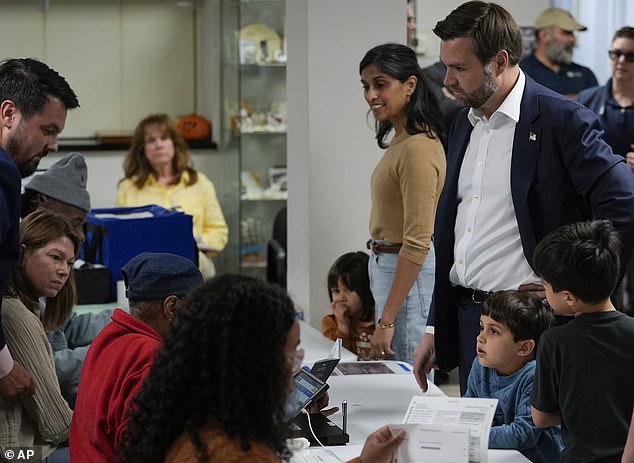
222, 364
422, 113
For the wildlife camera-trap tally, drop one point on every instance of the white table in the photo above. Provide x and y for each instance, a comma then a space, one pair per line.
378, 399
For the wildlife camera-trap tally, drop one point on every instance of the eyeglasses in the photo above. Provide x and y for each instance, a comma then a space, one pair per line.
615, 55
296, 360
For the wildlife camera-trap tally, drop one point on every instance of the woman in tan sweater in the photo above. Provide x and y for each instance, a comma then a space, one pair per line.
48, 248
405, 188
218, 387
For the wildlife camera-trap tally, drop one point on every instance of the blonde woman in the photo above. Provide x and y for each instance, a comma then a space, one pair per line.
158, 170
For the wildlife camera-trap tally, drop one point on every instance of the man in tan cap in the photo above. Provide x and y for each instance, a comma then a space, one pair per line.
551, 64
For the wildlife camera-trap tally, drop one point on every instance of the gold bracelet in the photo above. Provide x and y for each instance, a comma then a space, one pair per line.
385, 326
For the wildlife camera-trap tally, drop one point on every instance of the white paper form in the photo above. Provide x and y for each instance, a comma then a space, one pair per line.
433, 443
475, 413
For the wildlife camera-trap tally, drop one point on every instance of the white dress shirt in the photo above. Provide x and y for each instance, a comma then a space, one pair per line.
488, 250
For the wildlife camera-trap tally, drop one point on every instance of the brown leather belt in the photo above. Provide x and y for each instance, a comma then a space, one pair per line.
383, 248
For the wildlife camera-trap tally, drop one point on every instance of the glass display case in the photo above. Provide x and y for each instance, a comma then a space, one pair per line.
254, 119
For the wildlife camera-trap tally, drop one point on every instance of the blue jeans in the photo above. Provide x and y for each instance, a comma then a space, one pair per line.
412, 317
59, 455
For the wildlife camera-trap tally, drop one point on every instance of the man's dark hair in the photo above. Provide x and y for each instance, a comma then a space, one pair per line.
491, 27
582, 258
526, 315
29, 82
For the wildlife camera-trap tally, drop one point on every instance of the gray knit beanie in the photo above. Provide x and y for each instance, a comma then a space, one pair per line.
64, 181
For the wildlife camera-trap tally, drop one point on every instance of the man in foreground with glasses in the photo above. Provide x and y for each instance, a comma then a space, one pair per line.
614, 104
551, 63
122, 354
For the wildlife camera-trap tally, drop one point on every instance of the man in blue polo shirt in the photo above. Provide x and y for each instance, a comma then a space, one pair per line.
551, 64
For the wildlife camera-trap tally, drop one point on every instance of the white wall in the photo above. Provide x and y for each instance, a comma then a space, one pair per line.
124, 58
331, 147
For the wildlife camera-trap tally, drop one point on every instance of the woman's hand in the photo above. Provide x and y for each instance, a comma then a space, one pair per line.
381, 445
18, 384
382, 342
322, 403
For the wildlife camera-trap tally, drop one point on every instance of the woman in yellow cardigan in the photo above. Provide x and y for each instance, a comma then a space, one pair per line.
158, 170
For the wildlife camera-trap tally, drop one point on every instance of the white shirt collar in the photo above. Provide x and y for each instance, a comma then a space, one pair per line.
510, 107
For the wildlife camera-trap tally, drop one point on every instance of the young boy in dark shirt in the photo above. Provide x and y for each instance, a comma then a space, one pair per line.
584, 377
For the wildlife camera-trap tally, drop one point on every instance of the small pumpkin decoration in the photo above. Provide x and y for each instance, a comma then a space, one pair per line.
194, 127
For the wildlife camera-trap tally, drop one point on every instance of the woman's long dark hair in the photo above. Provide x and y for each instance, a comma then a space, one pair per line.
222, 365
423, 114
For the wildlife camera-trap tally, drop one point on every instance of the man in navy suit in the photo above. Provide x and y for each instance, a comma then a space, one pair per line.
521, 161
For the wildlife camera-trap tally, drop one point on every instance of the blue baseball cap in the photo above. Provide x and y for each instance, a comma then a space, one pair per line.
152, 276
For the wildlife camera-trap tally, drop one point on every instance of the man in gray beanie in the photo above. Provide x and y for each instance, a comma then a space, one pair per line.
62, 189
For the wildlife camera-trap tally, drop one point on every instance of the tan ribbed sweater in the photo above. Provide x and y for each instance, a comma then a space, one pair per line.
44, 419
405, 187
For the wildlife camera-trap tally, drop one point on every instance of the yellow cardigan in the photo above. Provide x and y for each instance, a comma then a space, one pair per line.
198, 200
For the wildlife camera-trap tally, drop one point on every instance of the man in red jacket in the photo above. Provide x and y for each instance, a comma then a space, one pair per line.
122, 354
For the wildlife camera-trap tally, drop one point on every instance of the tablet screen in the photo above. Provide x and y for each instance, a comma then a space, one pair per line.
306, 389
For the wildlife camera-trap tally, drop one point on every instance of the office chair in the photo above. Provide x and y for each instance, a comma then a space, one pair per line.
276, 251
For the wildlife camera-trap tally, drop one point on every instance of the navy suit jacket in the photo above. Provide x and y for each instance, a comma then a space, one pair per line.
561, 172
10, 183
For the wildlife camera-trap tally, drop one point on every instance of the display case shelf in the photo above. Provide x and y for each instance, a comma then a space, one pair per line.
254, 121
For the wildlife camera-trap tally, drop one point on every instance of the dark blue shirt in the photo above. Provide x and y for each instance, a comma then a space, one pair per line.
617, 121
10, 182
570, 79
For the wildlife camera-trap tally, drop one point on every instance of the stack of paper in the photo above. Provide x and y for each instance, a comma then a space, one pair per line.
446, 430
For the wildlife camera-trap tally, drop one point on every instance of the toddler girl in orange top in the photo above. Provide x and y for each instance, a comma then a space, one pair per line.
352, 304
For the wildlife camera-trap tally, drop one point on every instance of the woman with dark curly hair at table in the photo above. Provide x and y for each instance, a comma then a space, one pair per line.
218, 387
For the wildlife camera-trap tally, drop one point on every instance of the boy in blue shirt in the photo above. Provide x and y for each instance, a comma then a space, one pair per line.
585, 369
511, 324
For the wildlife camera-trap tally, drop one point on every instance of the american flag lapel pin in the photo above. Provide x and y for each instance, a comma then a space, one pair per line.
532, 136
